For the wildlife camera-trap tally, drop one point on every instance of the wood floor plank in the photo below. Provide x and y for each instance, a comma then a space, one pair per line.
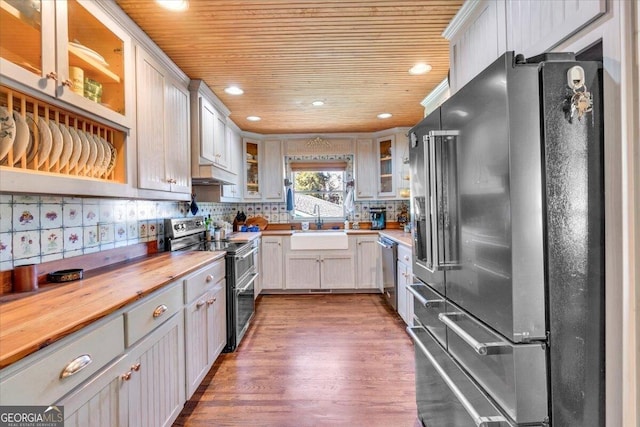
312, 361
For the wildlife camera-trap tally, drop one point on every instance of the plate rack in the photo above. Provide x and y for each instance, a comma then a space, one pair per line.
30, 160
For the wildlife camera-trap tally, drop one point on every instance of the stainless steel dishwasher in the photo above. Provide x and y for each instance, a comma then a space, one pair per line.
389, 277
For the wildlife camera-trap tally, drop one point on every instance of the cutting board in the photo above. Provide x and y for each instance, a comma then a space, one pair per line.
259, 221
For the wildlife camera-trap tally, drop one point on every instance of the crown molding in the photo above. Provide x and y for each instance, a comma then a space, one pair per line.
460, 20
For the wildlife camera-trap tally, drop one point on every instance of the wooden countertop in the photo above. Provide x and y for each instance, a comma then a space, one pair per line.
290, 232
399, 236
244, 236
34, 322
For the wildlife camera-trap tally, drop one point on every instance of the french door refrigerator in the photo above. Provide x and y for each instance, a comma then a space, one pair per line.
507, 211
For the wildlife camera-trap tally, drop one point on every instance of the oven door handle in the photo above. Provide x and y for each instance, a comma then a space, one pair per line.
252, 251
253, 279
479, 420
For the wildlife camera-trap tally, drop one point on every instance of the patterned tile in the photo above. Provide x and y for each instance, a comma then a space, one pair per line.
106, 211
106, 233
90, 234
51, 241
73, 239
6, 247
90, 214
132, 230
26, 244
72, 215
6, 217
143, 230
120, 232
26, 217
50, 215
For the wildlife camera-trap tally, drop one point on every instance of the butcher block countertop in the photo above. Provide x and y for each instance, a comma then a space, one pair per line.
399, 236
31, 323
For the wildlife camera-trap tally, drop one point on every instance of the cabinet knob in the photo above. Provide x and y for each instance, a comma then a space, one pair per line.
406, 258
211, 301
209, 278
136, 367
127, 376
52, 75
67, 83
199, 304
159, 311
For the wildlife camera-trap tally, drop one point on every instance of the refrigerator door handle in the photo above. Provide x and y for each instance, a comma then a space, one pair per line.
433, 303
479, 420
444, 240
482, 348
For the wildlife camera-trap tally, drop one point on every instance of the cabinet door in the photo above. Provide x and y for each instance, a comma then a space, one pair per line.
385, 166
156, 387
101, 401
220, 143
402, 290
365, 176
177, 143
302, 271
27, 44
150, 93
337, 271
196, 343
217, 313
252, 168
272, 263
368, 262
207, 126
273, 171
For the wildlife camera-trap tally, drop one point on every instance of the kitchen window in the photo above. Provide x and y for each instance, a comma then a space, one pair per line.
318, 183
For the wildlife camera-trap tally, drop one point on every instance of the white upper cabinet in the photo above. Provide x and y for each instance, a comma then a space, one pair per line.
233, 192
162, 128
273, 171
210, 139
71, 50
385, 154
365, 173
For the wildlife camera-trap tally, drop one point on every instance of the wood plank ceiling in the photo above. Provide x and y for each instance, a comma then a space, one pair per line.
352, 54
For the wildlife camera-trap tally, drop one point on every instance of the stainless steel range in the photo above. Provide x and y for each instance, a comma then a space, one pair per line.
241, 271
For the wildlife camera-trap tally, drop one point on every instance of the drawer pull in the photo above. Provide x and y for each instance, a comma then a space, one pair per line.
406, 258
209, 278
159, 311
126, 377
211, 301
200, 304
482, 348
76, 365
135, 367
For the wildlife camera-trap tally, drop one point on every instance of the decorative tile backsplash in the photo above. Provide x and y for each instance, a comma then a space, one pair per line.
36, 229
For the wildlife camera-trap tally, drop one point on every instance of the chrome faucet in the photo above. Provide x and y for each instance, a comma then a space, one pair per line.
319, 222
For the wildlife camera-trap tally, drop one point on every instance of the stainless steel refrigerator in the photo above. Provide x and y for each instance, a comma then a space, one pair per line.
508, 222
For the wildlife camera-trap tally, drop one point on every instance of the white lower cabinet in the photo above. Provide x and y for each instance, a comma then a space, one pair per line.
368, 262
272, 262
205, 322
405, 279
144, 387
320, 270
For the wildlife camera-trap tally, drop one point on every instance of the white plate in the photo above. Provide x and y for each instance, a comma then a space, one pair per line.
7, 132
86, 150
77, 148
112, 162
67, 146
89, 52
21, 142
58, 143
93, 154
45, 139
97, 166
107, 155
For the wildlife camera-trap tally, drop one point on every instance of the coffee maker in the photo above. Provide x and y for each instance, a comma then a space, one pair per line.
378, 218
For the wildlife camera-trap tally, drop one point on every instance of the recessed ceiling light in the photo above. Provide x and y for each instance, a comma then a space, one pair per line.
253, 118
234, 90
420, 68
384, 115
317, 103
174, 5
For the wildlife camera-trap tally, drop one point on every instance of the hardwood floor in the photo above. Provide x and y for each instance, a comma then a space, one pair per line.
310, 361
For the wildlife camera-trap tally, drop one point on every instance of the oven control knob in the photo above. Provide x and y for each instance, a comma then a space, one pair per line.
198, 223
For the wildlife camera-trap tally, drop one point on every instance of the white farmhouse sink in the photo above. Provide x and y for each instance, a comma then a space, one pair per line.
316, 240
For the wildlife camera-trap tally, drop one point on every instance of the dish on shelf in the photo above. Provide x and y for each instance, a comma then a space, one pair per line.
86, 151
82, 49
67, 147
21, 142
112, 162
93, 154
45, 139
97, 166
7, 132
58, 143
107, 155
77, 148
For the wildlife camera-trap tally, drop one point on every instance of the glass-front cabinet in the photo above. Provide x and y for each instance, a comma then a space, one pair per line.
385, 153
69, 49
252, 169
